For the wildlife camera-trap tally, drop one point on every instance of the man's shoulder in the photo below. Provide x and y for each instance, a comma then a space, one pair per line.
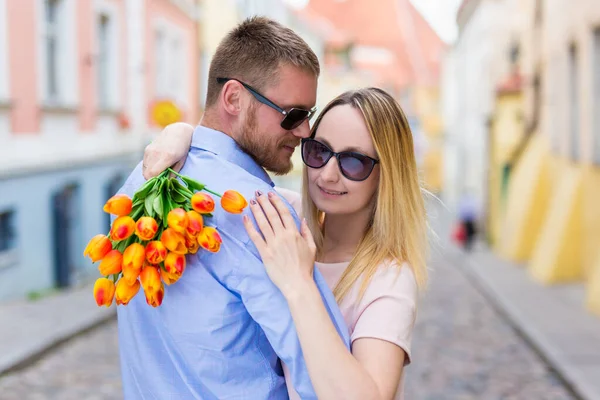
219, 174
134, 181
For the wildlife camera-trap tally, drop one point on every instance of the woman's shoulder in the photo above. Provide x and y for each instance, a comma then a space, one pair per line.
396, 277
292, 197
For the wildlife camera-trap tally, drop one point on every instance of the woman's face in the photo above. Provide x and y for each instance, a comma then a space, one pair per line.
342, 128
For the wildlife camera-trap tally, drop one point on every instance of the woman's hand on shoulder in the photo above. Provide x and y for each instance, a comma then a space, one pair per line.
288, 255
169, 149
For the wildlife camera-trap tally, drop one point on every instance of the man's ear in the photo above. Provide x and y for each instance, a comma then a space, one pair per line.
231, 97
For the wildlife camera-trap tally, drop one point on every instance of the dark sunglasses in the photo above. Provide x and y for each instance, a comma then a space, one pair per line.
354, 166
291, 119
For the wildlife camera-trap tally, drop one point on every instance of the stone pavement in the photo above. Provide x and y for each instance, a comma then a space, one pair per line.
464, 349
30, 328
553, 319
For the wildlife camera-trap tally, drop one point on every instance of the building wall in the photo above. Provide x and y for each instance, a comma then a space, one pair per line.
85, 123
30, 267
561, 31
172, 57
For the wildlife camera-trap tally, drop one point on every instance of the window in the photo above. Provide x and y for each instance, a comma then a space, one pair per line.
58, 66
171, 64
3, 53
103, 66
574, 100
539, 12
514, 54
596, 98
52, 41
8, 234
108, 56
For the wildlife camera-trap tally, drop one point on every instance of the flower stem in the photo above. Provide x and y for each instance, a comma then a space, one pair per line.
211, 192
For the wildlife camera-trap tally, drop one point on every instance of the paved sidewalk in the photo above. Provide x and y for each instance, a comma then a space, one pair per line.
28, 329
552, 318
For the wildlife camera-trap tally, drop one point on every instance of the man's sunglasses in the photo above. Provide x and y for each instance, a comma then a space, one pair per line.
354, 166
291, 119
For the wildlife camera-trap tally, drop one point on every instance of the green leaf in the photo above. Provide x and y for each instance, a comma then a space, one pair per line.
182, 190
158, 206
145, 189
168, 205
193, 186
149, 204
177, 197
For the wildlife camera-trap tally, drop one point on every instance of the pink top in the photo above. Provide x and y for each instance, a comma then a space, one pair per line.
387, 311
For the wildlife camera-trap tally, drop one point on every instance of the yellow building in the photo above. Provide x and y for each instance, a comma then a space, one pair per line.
551, 217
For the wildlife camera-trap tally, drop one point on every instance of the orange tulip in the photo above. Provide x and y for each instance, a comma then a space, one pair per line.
150, 278
155, 252
146, 228
195, 225
98, 247
202, 203
233, 202
125, 291
133, 261
155, 299
111, 263
191, 244
104, 292
178, 220
173, 241
122, 228
169, 278
119, 204
210, 239
175, 263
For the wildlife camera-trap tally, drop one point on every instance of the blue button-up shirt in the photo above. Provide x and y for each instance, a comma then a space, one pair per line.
223, 326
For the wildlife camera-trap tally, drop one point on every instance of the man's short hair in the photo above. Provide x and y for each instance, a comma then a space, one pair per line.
254, 51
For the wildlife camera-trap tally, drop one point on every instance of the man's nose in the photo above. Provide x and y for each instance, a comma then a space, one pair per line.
302, 131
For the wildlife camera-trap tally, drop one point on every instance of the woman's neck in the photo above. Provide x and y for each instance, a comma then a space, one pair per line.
342, 234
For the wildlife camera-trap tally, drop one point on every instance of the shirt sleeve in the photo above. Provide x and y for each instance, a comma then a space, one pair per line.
387, 310
267, 306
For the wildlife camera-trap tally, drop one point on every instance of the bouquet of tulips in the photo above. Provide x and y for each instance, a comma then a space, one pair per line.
152, 233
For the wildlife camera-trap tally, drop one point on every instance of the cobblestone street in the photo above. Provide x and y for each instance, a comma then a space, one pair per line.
462, 349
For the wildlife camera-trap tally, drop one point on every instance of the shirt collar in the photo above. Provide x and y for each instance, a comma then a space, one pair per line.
223, 145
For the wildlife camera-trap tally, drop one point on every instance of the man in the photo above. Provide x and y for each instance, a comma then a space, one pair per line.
221, 328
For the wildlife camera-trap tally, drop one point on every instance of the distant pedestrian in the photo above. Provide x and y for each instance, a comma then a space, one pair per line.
468, 219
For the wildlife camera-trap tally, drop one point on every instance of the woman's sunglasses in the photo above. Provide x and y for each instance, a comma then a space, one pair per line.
291, 119
354, 166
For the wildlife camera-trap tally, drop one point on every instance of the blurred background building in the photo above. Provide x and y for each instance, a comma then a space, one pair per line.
77, 79
85, 84
521, 107
506, 116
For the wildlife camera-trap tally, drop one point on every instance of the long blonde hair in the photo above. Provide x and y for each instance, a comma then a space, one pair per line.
397, 229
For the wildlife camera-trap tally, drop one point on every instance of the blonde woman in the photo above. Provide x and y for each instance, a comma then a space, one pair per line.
365, 226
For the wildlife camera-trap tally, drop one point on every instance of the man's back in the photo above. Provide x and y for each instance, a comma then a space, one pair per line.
221, 327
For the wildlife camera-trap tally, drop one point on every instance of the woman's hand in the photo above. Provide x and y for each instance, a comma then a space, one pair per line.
169, 149
288, 255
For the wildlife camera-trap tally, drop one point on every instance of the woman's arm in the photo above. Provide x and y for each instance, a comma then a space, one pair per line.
169, 149
374, 368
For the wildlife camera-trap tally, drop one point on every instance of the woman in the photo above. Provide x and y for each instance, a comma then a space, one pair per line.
365, 226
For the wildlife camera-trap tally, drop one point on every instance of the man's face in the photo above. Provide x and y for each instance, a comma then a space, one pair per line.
261, 133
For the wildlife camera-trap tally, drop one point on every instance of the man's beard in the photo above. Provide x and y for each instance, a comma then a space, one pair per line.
261, 148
